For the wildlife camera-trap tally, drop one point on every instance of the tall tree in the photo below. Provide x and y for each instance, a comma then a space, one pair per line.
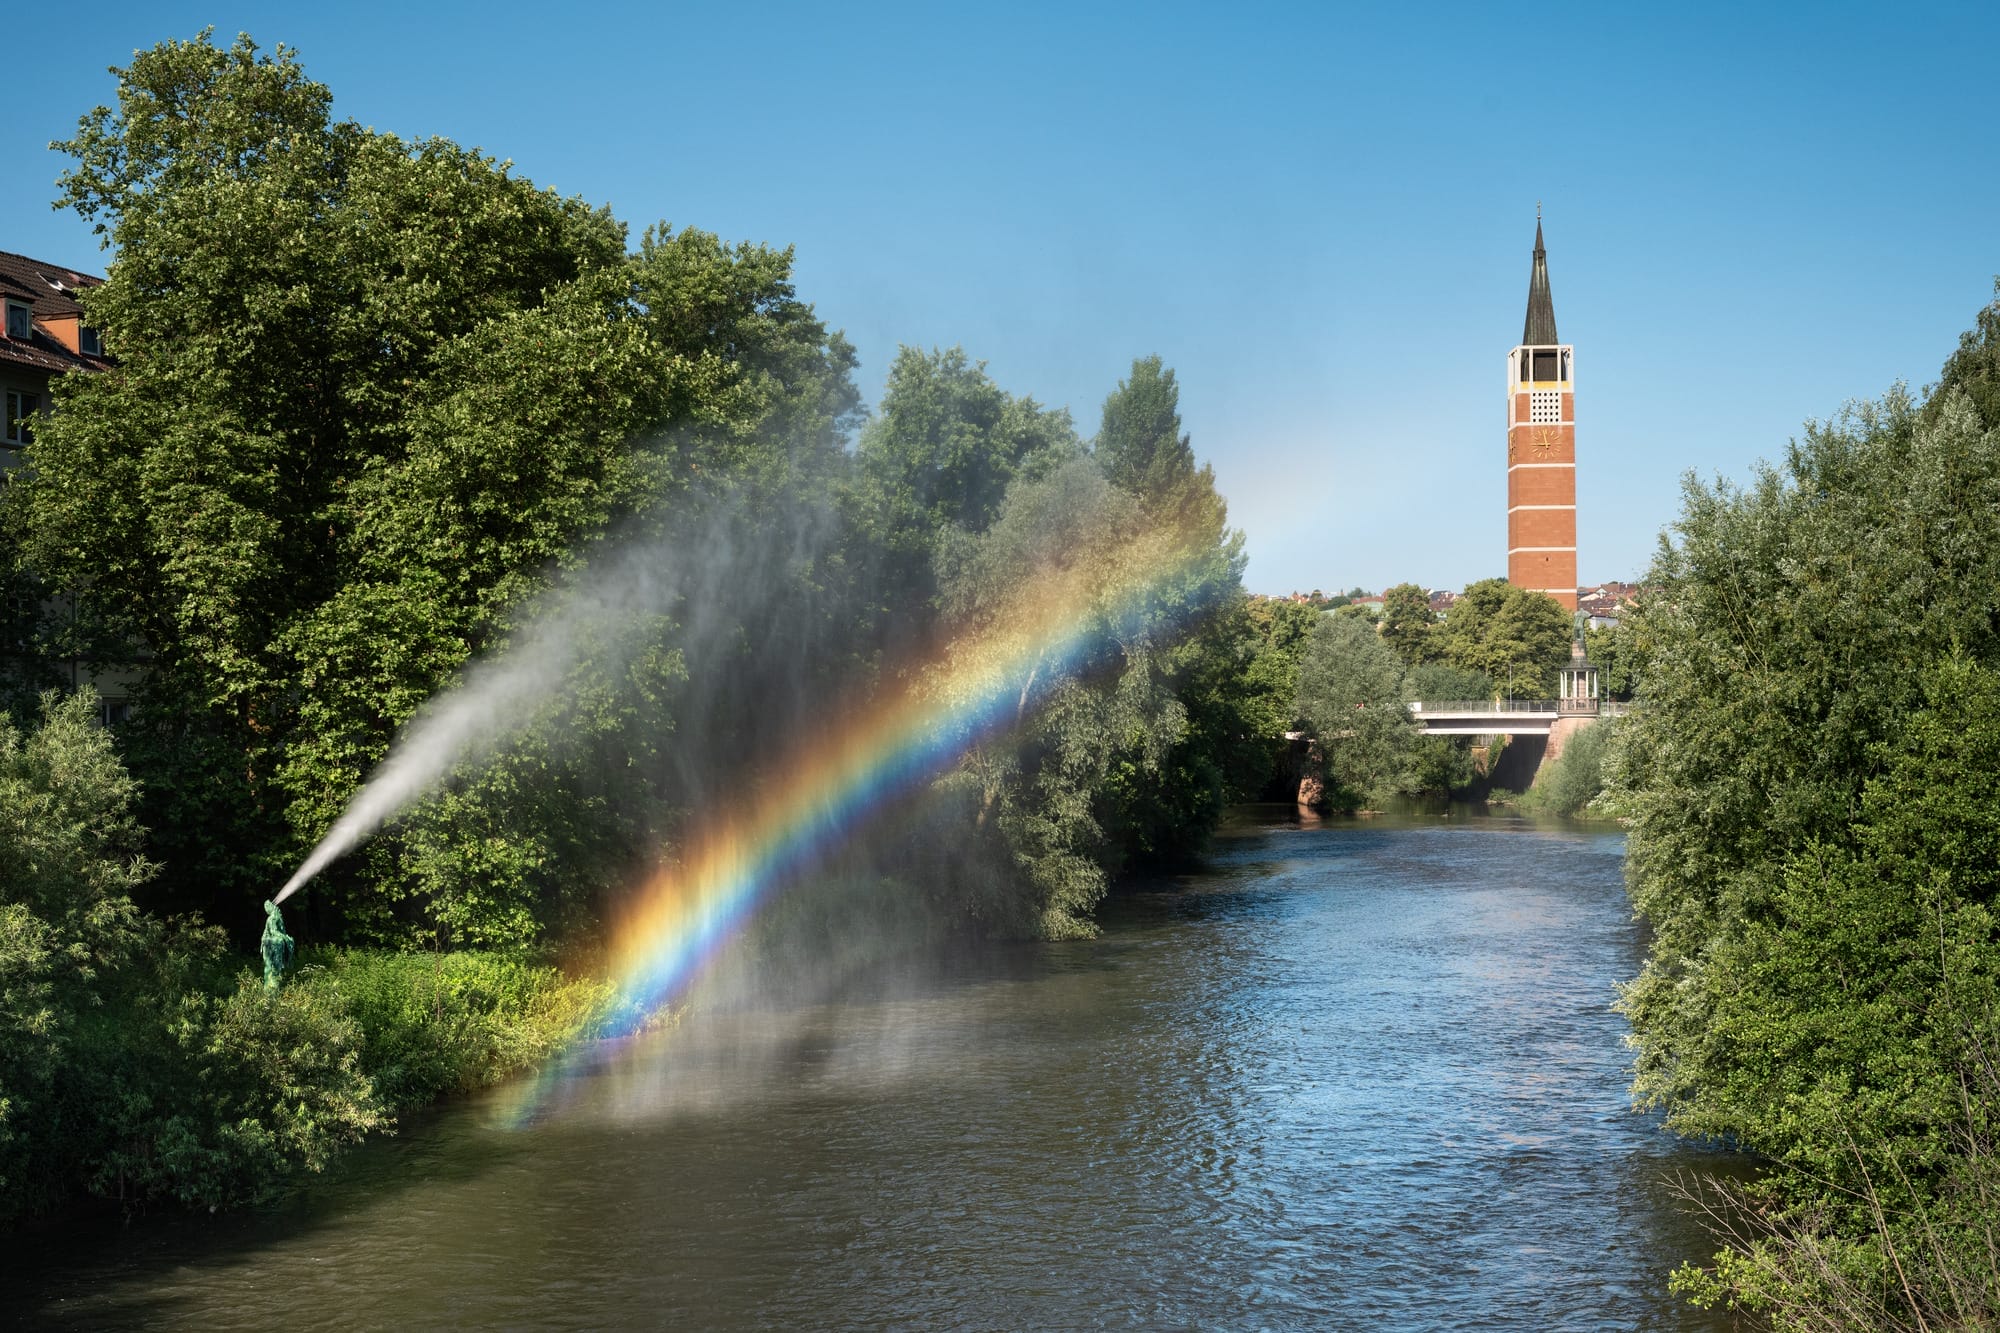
940, 453
1408, 625
1162, 815
1351, 695
369, 392
1143, 450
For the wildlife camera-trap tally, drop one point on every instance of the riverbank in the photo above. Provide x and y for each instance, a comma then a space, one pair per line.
190, 1086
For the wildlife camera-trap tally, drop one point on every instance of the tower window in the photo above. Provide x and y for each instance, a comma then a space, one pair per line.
1545, 407
1545, 365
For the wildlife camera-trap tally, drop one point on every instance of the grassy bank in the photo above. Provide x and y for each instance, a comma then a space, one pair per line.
431, 1024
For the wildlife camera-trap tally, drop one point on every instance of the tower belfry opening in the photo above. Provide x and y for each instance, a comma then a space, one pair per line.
1541, 446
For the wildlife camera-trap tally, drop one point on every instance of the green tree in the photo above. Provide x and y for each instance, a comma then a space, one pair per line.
1804, 787
1351, 696
1163, 815
1621, 655
1974, 369
121, 1070
1026, 801
1408, 625
1512, 634
370, 392
1442, 681
940, 453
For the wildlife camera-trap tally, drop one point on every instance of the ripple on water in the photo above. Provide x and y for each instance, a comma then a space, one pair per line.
1361, 1075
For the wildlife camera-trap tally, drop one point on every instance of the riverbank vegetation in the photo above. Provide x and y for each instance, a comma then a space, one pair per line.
1355, 678
376, 403
1813, 843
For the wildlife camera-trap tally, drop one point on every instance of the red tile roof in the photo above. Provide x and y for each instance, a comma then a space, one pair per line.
50, 289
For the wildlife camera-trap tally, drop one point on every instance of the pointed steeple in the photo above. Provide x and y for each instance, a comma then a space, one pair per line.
1540, 329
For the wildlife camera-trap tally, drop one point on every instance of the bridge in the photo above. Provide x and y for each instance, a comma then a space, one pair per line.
1512, 717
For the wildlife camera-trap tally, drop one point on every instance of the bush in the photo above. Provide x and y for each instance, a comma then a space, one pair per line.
221, 1099
437, 1023
133, 1061
1576, 778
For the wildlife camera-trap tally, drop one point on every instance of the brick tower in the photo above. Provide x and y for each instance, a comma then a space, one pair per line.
1541, 448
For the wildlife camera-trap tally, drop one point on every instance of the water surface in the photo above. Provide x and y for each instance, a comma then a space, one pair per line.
1363, 1075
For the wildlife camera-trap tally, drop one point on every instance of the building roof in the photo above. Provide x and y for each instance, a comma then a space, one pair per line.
51, 289
1540, 328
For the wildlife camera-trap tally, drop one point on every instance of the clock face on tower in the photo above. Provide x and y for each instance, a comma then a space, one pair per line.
1537, 441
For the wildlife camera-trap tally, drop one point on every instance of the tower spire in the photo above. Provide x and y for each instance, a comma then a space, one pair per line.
1540, 328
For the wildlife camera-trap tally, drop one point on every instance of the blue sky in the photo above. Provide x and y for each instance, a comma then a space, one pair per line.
1320, 217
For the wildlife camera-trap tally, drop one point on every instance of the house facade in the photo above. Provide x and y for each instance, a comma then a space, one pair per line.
42, 335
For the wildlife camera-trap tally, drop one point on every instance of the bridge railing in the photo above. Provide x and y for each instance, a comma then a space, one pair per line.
1484, 706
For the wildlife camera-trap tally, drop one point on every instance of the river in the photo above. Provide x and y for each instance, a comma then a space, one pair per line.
1356, 1075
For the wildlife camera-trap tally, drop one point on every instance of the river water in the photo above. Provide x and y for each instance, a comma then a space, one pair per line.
1358, 1075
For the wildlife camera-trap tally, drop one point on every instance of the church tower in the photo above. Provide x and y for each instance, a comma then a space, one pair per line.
1541, 448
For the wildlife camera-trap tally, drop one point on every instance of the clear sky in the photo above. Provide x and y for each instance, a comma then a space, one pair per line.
1321, 217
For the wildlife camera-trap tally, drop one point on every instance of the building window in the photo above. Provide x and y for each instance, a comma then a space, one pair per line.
1545, 407
20, 320
89, 343
18, 427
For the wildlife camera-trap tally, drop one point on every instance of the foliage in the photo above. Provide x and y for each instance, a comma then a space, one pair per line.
1857, 1045
1409, 627
437, 1023
1796, 623
1576, 777
1443, 681
1812, 843
1621, 654
1162, 816
1514, 635
1974, 369
1069, 541
1351, 696
127, 1063
1280, 632
369, 393
940, 454
68, 864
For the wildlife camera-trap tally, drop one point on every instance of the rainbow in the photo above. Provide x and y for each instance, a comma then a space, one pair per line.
981, 685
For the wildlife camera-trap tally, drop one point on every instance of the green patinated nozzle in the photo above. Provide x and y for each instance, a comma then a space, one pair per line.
276, 945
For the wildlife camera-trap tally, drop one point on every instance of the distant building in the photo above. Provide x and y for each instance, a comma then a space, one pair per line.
1606, 602
1541, 448
43, 335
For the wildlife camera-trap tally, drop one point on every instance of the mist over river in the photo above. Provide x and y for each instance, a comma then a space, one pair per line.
1357, 1075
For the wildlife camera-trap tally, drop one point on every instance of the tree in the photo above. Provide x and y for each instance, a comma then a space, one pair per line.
1163, 816
1621, 655
1143, 450
120, 1070
1351, 696
1063, 544
940, 453
1408, 625
1442, 681
369, 393
1512, 634
1805, 786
